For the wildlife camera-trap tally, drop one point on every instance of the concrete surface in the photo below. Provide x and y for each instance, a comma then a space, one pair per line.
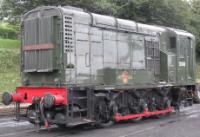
185, 124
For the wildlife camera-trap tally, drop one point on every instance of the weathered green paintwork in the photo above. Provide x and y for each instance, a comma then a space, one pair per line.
95, 50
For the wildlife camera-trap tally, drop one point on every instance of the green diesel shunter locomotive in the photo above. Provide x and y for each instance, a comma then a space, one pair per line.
79, 67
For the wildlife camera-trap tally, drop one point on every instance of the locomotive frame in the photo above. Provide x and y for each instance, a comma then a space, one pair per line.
79, 67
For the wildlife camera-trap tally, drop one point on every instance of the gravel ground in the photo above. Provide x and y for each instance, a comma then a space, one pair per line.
186, 124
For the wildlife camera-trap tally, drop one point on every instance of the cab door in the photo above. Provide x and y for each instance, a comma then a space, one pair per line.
83, 60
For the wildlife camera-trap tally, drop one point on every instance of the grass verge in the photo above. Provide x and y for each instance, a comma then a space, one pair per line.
9, 64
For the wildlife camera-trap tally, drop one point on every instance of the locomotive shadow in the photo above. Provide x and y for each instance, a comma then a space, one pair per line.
87, 129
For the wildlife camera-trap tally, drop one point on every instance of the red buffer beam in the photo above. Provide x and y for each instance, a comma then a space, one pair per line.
146, 113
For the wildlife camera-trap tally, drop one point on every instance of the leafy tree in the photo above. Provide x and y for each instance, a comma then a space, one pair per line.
195, 22
173, 13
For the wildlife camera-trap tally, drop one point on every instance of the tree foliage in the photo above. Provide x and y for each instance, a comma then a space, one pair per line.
181, 14
8, 31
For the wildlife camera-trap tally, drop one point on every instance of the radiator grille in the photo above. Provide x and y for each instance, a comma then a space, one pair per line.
37, 45
30, 38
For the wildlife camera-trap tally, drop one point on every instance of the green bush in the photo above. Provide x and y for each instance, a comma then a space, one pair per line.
8, 31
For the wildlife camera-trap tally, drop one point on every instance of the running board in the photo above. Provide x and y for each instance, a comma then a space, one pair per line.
147, 113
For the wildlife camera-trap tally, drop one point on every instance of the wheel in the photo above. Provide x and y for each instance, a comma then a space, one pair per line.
31, 114
167, 104
105, 125
103, 114
196, 98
